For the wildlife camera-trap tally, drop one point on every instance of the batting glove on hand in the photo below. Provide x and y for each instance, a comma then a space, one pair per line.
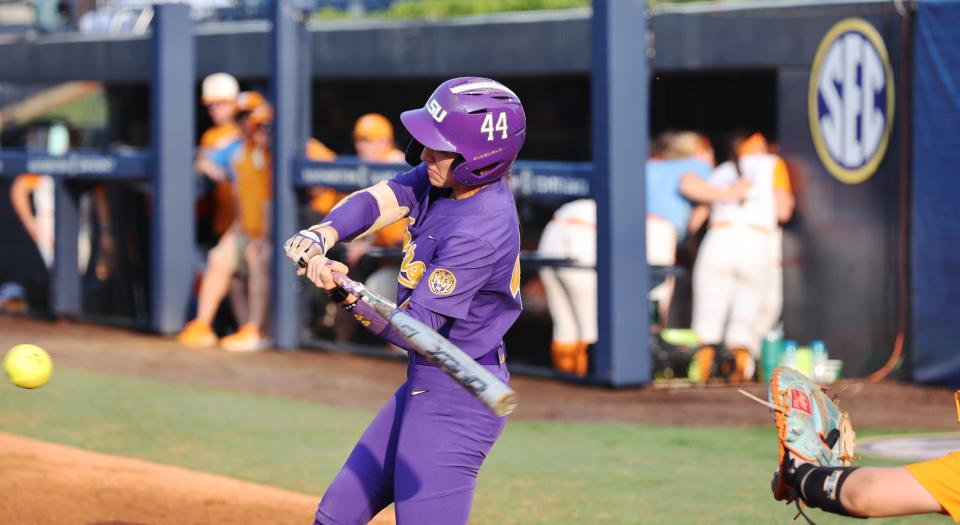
303, 246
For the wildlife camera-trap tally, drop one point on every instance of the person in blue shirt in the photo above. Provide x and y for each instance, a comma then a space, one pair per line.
677, 175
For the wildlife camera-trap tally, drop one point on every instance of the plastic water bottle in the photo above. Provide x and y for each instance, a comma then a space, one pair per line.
789, 354
820, 357
770, 351
803, 361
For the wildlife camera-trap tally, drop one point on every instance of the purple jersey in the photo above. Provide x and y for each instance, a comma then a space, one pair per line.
461, 259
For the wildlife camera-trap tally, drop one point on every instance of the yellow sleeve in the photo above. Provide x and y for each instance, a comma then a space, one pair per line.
781, 177
29, 180
941, 478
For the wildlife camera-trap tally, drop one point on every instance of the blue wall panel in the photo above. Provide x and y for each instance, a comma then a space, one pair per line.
935, 249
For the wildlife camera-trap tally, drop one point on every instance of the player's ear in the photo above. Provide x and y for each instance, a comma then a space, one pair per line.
414, 150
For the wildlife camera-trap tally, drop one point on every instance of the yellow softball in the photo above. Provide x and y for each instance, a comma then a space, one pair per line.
28, 366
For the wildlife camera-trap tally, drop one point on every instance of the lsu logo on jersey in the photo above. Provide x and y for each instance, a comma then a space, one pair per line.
442, 282
850, 100
411, 271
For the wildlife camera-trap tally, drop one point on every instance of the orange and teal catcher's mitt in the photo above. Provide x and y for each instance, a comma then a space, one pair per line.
811, 428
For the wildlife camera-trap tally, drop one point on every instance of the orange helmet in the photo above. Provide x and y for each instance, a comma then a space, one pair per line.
249, 101
373, 126
261, 115
754, 144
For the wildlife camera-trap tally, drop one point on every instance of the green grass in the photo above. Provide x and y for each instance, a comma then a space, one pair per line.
539, 472
438, 9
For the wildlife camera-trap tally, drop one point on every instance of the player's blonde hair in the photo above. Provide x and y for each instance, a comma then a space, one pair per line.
683, 144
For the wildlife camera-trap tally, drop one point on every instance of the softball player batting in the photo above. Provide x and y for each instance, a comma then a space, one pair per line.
733, 267
460, 275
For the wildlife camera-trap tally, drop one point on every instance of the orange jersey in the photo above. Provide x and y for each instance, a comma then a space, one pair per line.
323, 199
224, 209
317, 151
781, 177
220, 136
941, 478
30, 180
254, 188
391, 235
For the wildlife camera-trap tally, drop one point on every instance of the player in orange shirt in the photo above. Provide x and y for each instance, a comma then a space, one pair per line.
219, 93
373, 140
245, 247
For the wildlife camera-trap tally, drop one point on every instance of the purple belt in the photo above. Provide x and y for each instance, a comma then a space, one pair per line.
490, 358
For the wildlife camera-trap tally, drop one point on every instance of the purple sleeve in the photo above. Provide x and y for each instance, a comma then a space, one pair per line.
373, 321
354, 215
460, 267
411, 186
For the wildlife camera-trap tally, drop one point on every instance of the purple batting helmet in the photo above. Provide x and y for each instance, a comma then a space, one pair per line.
479, 118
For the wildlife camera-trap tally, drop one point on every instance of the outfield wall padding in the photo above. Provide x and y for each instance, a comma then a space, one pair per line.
935, 232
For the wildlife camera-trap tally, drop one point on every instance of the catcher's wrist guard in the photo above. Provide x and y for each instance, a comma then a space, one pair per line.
810, 427
819, 487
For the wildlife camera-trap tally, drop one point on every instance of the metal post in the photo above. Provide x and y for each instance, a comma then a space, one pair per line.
620, 126
65, 298
288, 38
172, 117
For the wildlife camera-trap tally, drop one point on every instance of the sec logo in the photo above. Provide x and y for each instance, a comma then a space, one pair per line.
850, 100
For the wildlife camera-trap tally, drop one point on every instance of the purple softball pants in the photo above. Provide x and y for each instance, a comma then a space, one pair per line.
422, 451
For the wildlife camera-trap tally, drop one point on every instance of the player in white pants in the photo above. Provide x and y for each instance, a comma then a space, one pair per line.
571, 292
735, 263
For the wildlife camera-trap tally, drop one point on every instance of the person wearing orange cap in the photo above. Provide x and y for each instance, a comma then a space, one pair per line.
733, 268
245, 247
373, 139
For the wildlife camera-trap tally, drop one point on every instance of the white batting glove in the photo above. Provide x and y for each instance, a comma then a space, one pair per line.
304, 246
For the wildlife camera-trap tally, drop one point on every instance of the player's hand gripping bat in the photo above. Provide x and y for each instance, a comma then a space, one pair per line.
492, 392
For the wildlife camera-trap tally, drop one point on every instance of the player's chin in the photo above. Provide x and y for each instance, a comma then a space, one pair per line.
440, 182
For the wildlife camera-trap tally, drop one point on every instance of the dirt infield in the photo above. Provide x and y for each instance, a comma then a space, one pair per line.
43, 484
364, 383
54, 484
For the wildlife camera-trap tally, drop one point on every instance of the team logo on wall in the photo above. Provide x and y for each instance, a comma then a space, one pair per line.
850, 100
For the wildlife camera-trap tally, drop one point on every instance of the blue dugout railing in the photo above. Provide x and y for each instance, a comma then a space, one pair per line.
543, 181
166, 168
